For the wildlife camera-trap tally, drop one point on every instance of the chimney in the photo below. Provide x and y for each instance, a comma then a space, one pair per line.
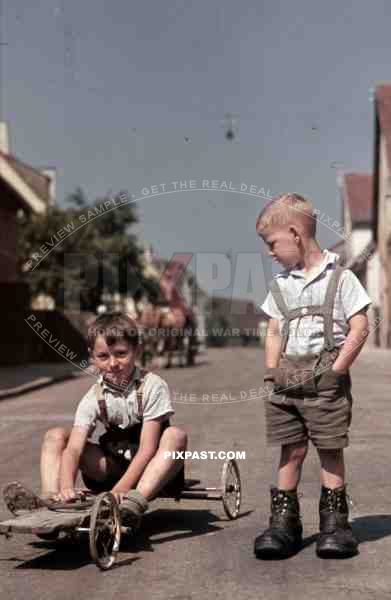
4, 145
51, 173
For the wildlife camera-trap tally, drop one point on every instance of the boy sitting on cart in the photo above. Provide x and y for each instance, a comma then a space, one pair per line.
134, 407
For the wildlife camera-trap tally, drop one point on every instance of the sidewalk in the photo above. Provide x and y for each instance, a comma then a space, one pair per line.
21, 379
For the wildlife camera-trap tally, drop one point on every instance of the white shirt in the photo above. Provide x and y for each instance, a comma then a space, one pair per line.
302, 289
122, 407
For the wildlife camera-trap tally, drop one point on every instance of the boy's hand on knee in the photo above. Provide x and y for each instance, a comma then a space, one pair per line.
119, 496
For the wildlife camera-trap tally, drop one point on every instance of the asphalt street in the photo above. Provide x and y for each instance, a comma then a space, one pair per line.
189, 550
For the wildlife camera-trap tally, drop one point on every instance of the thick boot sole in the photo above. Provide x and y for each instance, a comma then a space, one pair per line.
330, 549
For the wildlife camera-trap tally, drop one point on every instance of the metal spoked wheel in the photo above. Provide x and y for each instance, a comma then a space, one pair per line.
105, 530
231, 488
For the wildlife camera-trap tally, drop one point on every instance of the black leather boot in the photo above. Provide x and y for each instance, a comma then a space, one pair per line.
284, 535
336, 539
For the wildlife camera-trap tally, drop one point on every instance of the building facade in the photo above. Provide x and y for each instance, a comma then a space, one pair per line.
382, 206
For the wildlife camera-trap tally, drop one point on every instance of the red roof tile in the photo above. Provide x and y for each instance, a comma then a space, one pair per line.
36, 180
359, 197
383, 104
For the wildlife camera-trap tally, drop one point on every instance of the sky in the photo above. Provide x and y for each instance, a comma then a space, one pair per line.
127, 95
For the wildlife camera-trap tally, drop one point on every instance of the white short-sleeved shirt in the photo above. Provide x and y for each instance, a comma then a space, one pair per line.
122, 409
306, 333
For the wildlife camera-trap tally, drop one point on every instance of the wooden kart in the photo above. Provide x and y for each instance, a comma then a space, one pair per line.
99, 516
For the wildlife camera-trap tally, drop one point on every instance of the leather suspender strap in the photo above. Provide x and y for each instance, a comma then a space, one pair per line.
325, 310
276, 292
102, 405
278, 298
139, 395
297, 313
328, 307
140, 392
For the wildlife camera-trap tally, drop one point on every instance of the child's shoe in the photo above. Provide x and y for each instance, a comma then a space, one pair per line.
283, 538
336, 539
17, 498
133, 506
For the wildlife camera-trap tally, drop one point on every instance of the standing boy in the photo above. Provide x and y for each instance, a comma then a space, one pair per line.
317, 326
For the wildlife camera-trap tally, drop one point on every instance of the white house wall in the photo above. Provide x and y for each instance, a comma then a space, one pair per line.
359, 240
384, 232
373, 289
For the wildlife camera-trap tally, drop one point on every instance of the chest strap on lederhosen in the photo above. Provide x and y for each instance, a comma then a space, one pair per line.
324, 310
102, 405
140, 392
139, 396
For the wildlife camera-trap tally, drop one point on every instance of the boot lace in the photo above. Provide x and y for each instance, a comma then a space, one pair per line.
335, 501
280, 508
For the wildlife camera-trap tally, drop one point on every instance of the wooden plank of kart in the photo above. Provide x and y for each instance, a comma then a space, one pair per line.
43, 520
100, 516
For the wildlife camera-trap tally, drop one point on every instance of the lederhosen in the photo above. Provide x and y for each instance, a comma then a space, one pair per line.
306, 375
120, 445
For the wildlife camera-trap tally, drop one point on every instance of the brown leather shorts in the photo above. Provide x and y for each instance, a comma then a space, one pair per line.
320, 410
117, 468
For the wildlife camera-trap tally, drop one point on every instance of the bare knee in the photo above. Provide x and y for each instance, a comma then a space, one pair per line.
175, 437
57, 436
294, 453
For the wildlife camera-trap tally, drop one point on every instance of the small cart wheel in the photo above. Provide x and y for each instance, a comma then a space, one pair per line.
105, 530
231, 488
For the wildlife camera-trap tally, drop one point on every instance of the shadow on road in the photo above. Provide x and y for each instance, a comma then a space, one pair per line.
165, 525
62, 556
159, 526
307, 541
371, 527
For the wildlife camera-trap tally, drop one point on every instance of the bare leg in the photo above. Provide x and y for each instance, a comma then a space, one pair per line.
332, 468
291, 462
160, 470
92, 463
53, 446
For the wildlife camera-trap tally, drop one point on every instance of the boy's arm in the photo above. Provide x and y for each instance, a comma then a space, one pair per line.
70, 462
357, 335
272, 344
273, 337
149, 443
355, 302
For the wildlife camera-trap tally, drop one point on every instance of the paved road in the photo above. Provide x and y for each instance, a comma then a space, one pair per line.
190, 550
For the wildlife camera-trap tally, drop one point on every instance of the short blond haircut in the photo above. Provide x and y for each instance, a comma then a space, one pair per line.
285, 210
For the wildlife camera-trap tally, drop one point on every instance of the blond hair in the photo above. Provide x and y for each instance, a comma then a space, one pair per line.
285, 210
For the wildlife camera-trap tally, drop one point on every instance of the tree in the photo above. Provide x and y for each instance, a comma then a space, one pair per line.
97, 248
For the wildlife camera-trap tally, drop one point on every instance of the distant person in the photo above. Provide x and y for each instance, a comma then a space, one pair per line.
317, 327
